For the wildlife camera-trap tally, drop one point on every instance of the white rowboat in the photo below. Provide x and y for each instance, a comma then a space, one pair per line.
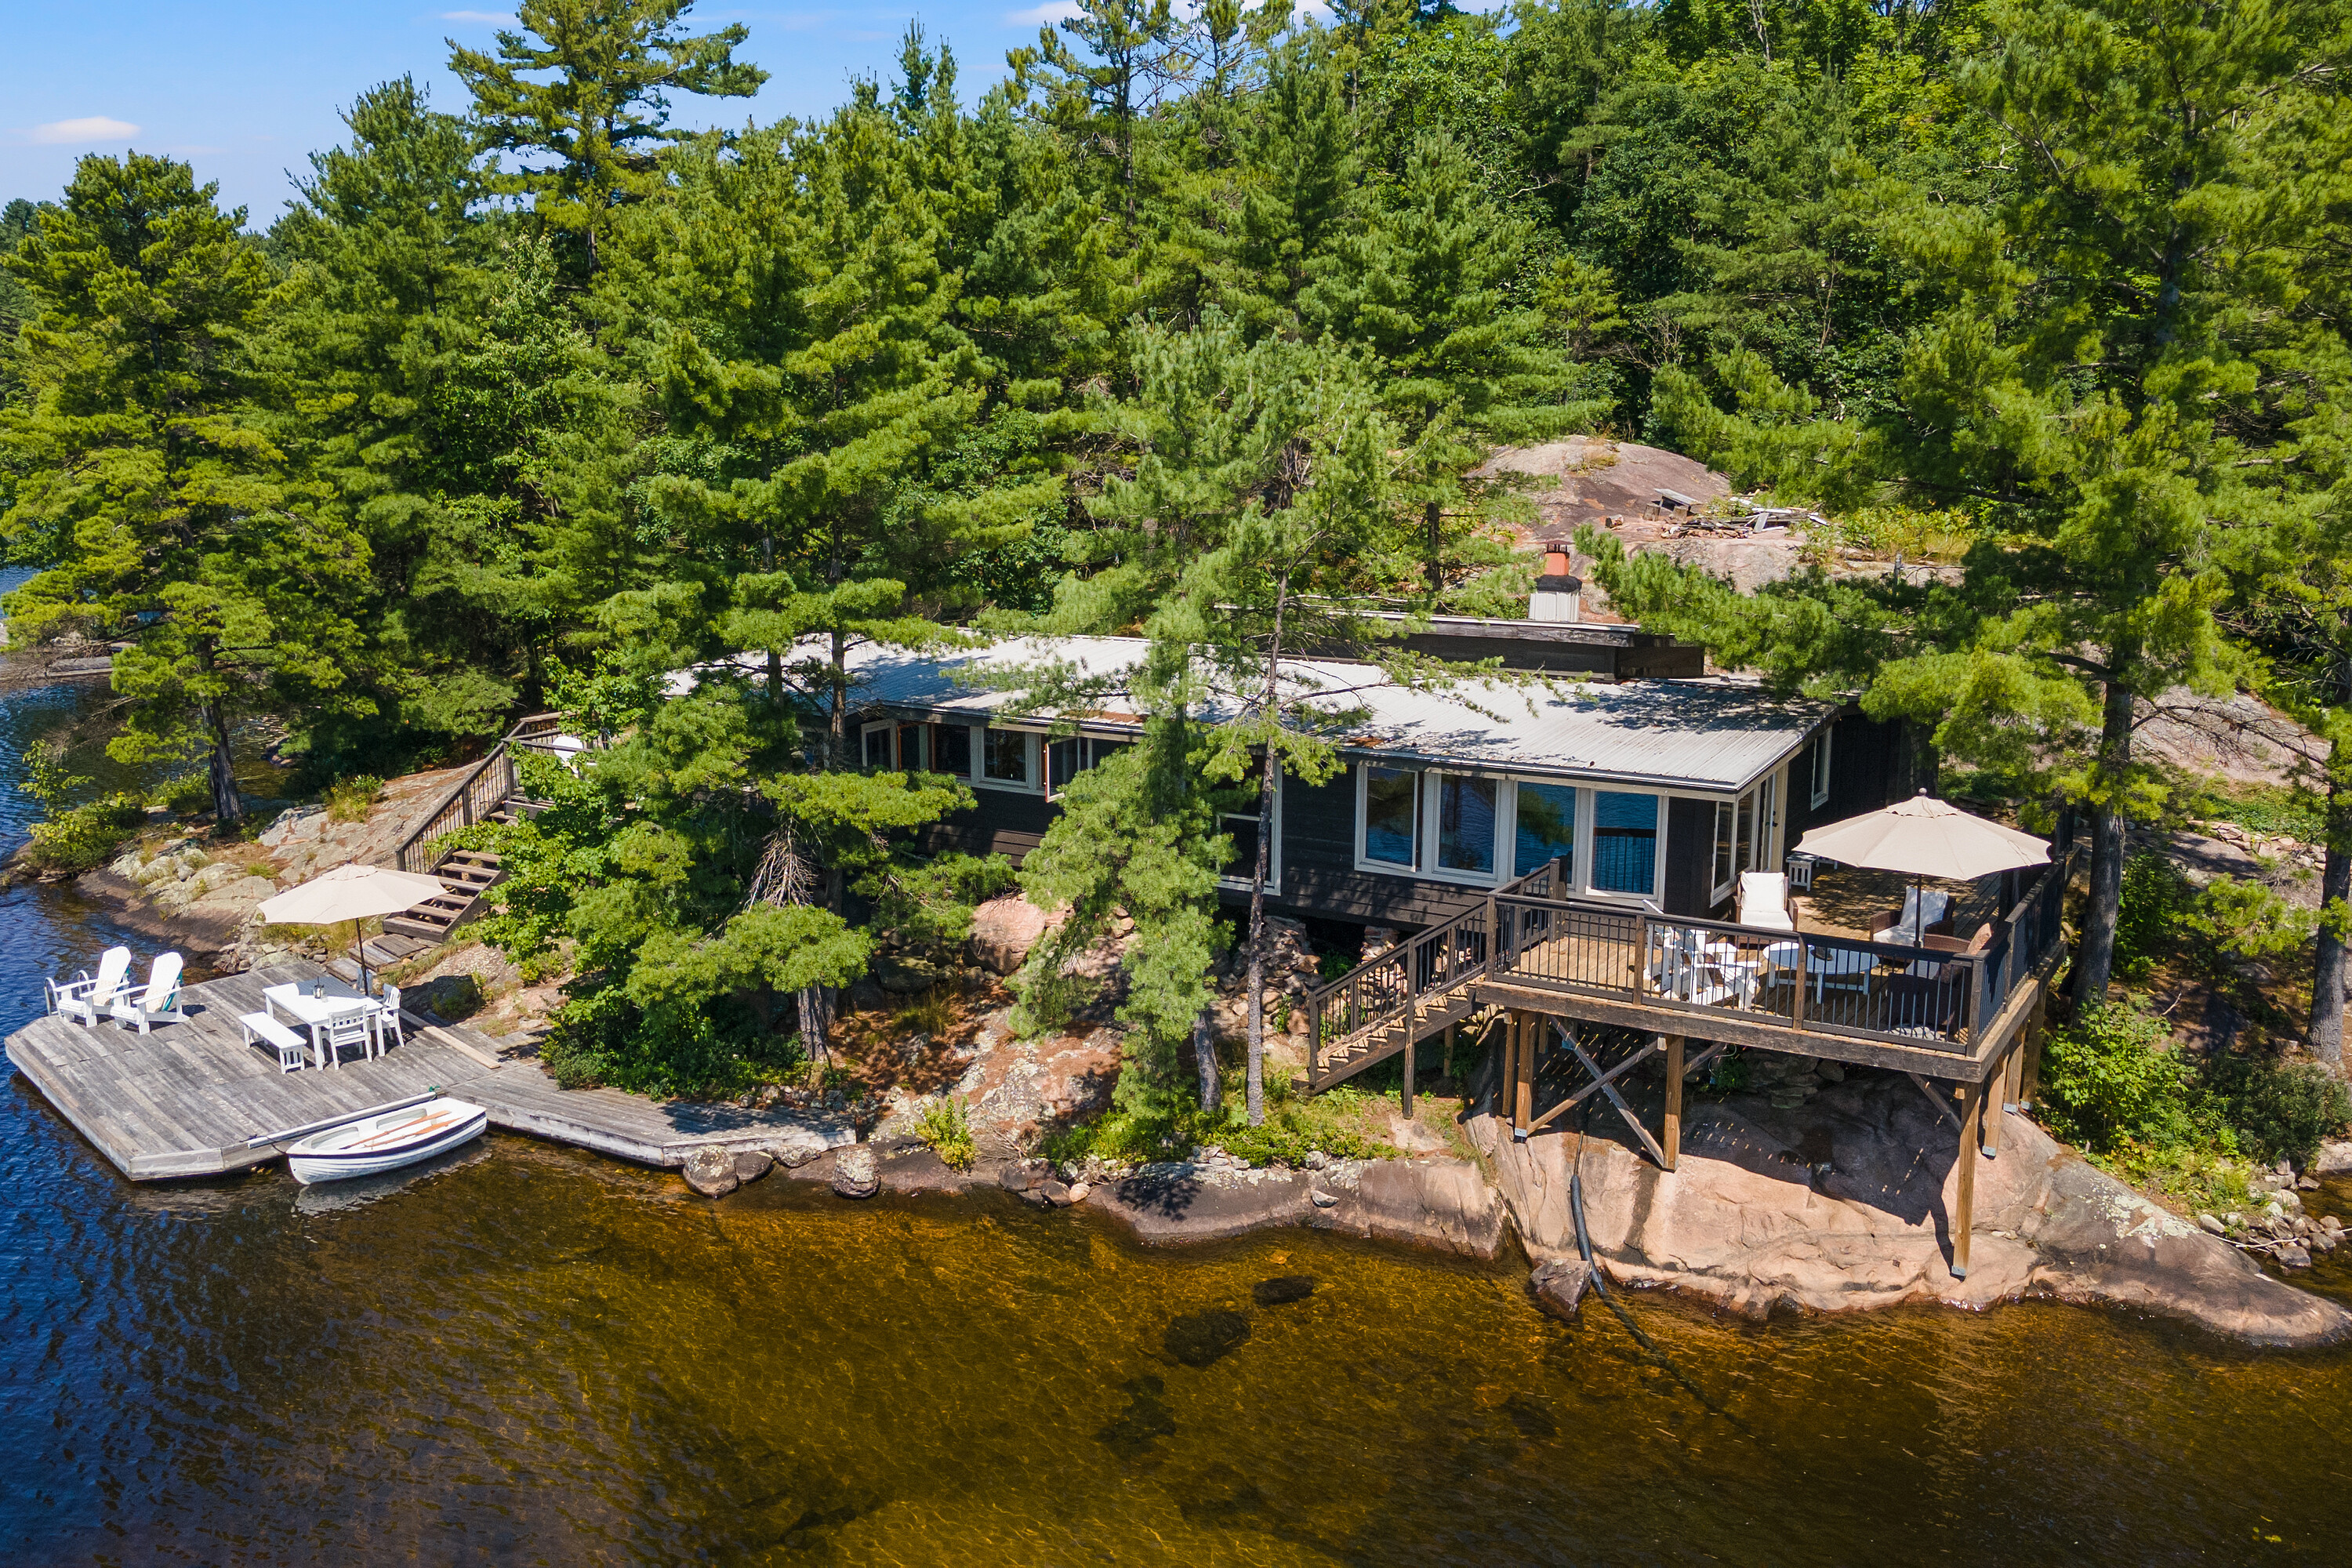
385, 1143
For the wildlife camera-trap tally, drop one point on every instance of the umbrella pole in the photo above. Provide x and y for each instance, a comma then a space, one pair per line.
359, 951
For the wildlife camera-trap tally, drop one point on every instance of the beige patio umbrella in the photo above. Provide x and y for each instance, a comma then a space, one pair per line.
1923, 838
352, 893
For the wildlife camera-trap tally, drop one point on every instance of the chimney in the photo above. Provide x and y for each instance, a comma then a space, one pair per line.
1555, 598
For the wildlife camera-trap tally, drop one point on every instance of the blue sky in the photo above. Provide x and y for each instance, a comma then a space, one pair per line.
244, 92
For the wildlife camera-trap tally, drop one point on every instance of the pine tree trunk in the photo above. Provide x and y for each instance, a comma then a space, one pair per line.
1204, 1054
227, 810
816, 1022
1268, 782
2328, 964
2094, 955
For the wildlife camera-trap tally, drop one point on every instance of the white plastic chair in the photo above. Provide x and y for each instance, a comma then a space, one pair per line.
389, 1019
85, 999
159, 1003
1764, 900
334, 1034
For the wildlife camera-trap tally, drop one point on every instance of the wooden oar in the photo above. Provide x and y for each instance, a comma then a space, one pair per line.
406, 1129
432, 1091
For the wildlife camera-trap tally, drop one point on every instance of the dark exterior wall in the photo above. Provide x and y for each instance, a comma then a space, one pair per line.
1318, 865
1000, 822
1869, 767
1690, 848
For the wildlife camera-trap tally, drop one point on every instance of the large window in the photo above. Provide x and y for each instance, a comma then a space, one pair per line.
1466, 823
1391, 815
912, 750
1065, 760
1005, 757
878, 746
1547, 829
1624, 842
952, 749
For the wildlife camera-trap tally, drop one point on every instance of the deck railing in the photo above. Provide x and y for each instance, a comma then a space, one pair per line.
1933, 998
481, 793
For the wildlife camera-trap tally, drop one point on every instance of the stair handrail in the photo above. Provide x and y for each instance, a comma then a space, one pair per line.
467, 801
1433, 966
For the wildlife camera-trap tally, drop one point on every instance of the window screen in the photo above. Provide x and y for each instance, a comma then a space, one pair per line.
1389, 815
1547, 829
1624, 842
952, 749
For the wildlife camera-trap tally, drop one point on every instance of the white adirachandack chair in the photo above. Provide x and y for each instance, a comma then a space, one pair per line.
85, 998
159, 1004
1764, 900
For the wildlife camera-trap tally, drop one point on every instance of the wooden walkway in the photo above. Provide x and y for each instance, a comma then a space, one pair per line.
183, 1100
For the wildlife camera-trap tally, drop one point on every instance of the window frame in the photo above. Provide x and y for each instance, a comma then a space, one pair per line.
1429, 843
1273, 852
1363, 822
1032, 784
1817, 761
888, 729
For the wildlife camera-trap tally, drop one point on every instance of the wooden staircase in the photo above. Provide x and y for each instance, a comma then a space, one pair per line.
1405, 993
466, 875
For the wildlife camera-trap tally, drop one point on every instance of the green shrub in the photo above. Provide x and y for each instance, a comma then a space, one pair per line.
2112, 1079
946, 1128
2153, 912
2278, 1109
72, 838
184, 797
349, 800
933, 1015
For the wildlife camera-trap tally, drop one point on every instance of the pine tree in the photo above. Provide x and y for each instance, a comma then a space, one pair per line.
151, 486
605, 114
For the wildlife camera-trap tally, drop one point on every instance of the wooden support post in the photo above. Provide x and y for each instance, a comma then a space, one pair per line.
1673, 1140
1994, 1095
2029, 1087
1964, 1200
1411, 1049
1523, 1086
1511, 1068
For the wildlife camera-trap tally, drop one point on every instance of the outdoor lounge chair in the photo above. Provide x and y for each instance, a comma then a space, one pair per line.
1764, 900
1905, 927
85, 998
159, 1003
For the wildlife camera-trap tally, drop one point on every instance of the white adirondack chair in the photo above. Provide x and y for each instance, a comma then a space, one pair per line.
159, 1003
85, 999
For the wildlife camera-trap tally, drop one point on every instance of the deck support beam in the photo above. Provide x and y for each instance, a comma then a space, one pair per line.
1523, 1074
1606, 1082
1964, 1198
1673, 1140
1411, 1049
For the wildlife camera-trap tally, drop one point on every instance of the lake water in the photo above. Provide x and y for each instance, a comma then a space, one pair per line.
537, 1355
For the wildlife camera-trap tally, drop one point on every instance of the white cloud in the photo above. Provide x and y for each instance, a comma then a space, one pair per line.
91, 128
1051, 11
480, 18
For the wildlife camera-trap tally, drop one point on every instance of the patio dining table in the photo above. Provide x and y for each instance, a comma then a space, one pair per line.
317, 1013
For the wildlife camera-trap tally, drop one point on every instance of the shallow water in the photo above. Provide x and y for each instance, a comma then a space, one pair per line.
535, 1355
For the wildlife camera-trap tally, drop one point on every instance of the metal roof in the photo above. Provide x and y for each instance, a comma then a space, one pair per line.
1714, 735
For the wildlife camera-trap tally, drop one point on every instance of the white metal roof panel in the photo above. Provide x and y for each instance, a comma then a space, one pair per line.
1712, 735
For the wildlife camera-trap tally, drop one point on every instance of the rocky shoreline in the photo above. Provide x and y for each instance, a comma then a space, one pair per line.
1838, 1204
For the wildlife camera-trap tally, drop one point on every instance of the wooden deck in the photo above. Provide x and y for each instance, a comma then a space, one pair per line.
182, 1100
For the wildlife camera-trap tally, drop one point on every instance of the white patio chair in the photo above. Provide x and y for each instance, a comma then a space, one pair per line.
1764, 900
334, 1034
86, 1000
389, 1019
159, 1003
1932, 903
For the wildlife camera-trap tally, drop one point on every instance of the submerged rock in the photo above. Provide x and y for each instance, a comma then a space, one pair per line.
855, 1175
1199, 1339
1282, 1290
1559, 1286
710, 1171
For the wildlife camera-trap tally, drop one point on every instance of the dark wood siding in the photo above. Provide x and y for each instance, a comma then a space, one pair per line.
1318, 865
1690, 848
1870, 767
1000, 822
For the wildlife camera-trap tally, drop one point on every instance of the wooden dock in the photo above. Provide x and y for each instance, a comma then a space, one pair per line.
183, 1100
